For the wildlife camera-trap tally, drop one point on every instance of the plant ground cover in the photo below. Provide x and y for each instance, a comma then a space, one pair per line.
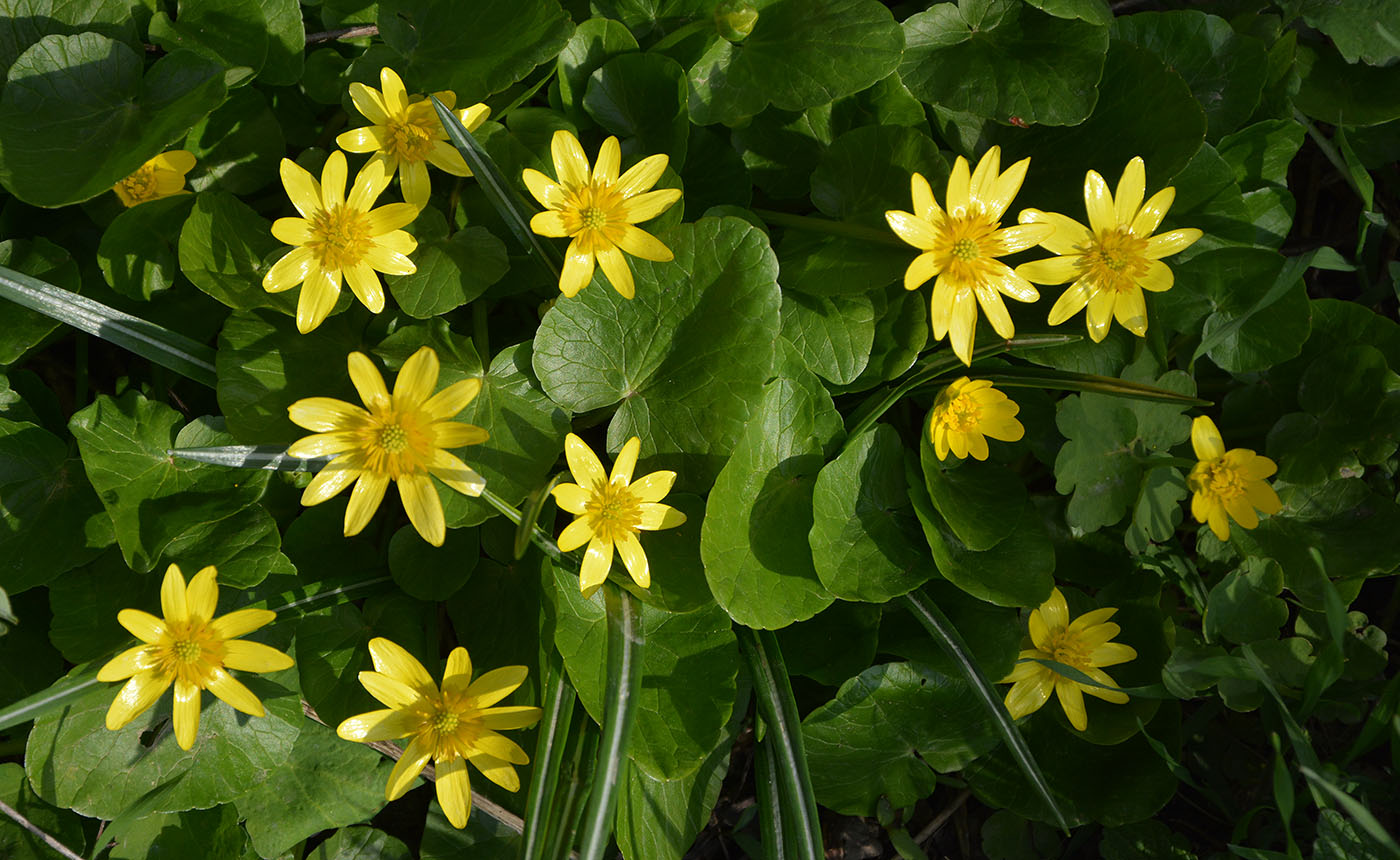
699, 429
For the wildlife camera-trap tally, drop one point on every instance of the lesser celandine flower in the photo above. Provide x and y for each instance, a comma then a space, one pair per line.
406, 135
452, 725
968, 411
401, 437
1082, 644
190, 649
336, 236
1112, 260
1228, 485
162, 176
598, 209
961, 244
610, 510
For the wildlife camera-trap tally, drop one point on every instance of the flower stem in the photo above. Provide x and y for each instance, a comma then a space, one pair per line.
537, 535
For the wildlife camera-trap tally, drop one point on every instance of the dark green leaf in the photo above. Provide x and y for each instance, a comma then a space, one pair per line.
17, 843
222, 248
1244, 606
137, 253
642, 99
451, 272
834, 335
238, 146
593, 43
866, 171
1368, 30
25, 328
430, 573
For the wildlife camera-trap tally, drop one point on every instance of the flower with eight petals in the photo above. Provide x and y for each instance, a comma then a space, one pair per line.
1228, 485
968, 411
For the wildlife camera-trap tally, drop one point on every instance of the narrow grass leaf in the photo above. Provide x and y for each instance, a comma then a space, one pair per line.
60, 693
1065, 380
1356, 809
559, 706
272, 457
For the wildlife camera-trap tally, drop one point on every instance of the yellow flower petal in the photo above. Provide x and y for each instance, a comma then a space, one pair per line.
578, 270
135, 696
656, 517
364, 501
369, 103
417, 187
640, 243
570, 163
1067, 237
393, 660
370, 138
1098, 203
1166, 244
1205, 439
457, 676
333, 176
241, 622
390, 217
634, 558
318, 296
912, 229
417, 379
409, 765
391, 691
326, 414
395, 96
247, 656
496, 770
424, 507
124, 665
1150, 216
597, 561
385, 725
185, 713
583, 463
652, 487
456, 474
925, 266
173, 604
619, 274
959, 187
202, 595
642, 176
575, 534
333, 478
1132, 185
925, 206
142, 625
454, 434
1131, 312
542, 188
1072, 701
504, 719
549, 223
495, 685
609, 162
646, 206
368, 381
454, 791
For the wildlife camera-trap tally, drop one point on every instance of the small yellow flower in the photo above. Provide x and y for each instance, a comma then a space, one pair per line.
191, 649
402, 438
1112, 260
337, 236
406, 135
609, 510
598, 210
966, 412
1229, 484
961, 245
162, 176
452, 725
1082, 644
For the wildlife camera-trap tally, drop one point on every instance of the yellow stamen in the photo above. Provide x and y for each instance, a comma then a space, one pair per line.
962, 414
613, 511
1114, 259
186, 650
393, 439
340, 236
410, 139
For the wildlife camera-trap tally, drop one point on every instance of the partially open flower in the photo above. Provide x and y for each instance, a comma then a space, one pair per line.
1228, 485
968, 411
162, 176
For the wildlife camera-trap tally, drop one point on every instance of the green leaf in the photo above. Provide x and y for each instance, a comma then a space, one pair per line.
625, 650
153, 500
866, 170
642, 99
73, 760
1145, 840
676, 551
1368, 31
451, 272
834, 335
754, 538
470, 49
427, 572
361, 843
866, 542
50, 519
25, 328
292, 801
901, 332
887, 731
76, 115
245, 547
238, 147
212, 834
169, 349
222, 248
1093, 11
1224, 69
974, 498
137, 253
593, 43
708, 320
1244, 606
18, 843
1001, 60
993, 634
24, 22
782, 148
817, 264
1335, 91
85, 603
332, 648
1260, 307
659, 819
31, 662
800, 53
231, 33
265, 365
834, 645
688, 671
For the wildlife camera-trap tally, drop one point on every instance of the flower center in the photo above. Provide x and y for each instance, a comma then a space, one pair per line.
393, 438
410, 140
593, 218
962, 414
965, 249
141, 185
186, 650
1114, 260
340, 236
1218, 479
1069, 649
446, 721
613, 511
397, 443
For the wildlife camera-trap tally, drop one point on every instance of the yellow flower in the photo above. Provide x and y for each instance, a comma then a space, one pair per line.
162, 176
1082, 644
966, 412
191, 649
610, 510
1228, 482
406, 134
1112, 260
338, 236
961, 245
401, 438
598, 210
451, 725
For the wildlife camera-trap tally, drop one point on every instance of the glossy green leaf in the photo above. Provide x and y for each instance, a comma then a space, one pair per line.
222, 248
18, 843
451, 272
213, 834
1093, 11
238, 147
1259, 308
887, 732
660, 819
834, 645
28, 21
901, 333
800, 53
77, 115
754, 538
974, 498
1368, 31
1004, 60
593, 43
1342, 93
866, 542
361, 843
1244, 606
25, 328
430, 573
866, 171
709, 319
154, 500
834, 335
84, 603
642, 99
137, 253
292, 802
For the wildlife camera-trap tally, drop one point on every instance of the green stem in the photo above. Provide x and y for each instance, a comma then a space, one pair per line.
770, 804
682, 33
559, 706
843, 229
625, 641
537, 535
1339, 164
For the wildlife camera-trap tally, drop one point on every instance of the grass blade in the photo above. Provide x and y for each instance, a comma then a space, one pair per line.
625, 641
947, 636
559, 706
272, 457
770, 803
169, 349
1357, 810
1064, 380
60, 693
779, 711
498, 190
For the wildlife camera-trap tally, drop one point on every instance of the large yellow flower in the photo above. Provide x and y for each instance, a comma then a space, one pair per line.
191, 649
452, 725
1082, 644
609, 510
406, 135
1229, 484
401, 438
162, 176
598, 209
961, 245
968, 411
1112, 260
336, 236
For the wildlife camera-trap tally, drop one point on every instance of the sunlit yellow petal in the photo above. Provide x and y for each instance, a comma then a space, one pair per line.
495, 685
246, 656
619, 274
634, 558
127, 663
409, 765
1166, 244
454, 792
302, 189
583, 463
644, 207
597, 561
1127, 198
570, 162
605, 169
364, 501
1098, 203
173, 603
640, 243
143, 625
135, 696
241, 622
642, 176
385, 725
